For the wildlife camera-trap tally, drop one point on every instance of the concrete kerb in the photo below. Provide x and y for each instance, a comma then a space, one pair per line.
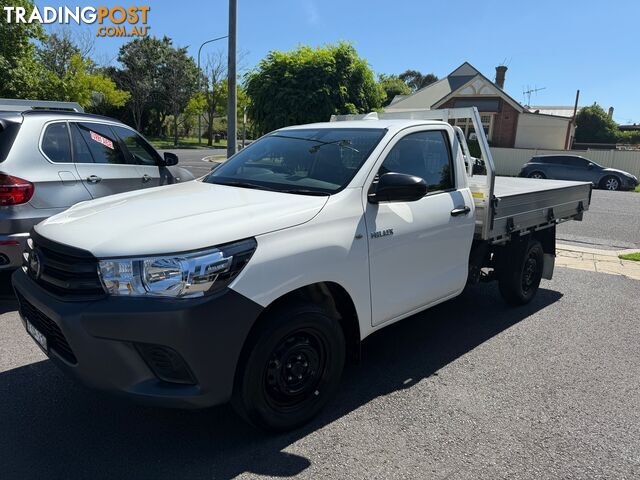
597, 260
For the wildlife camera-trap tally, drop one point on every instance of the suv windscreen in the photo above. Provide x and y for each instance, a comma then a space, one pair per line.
306, 161
8, 132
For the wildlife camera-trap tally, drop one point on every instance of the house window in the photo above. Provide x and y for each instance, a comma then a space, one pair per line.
467, 126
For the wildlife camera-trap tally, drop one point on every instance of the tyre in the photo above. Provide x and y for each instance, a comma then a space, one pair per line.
537, 175
291, 367
610, 183
521, 273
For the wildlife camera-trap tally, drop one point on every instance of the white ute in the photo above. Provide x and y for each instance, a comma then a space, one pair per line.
255, 283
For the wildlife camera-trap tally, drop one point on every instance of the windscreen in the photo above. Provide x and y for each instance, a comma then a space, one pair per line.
8, 132
310, 161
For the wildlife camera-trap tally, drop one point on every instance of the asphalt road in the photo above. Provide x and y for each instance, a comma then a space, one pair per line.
612, 222
470, 389
191, 159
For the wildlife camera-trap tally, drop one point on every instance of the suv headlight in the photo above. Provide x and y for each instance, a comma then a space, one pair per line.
182, 275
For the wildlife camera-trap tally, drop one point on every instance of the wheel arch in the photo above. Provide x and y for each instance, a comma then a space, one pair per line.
332, 297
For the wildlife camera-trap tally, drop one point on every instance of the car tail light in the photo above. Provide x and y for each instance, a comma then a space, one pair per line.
14, 190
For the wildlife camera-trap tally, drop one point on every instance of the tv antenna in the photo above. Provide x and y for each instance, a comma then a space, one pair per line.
529, 90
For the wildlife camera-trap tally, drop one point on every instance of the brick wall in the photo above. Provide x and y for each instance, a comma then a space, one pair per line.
505, 123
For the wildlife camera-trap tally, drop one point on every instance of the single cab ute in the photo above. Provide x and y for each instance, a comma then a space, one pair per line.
256, 282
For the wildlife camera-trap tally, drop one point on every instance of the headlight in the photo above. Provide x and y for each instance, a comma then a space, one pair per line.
176, 276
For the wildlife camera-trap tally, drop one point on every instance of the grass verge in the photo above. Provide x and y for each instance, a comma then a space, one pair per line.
630, 256
190, 142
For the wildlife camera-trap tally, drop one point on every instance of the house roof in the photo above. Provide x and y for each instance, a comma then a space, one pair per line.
435, 94
555, 110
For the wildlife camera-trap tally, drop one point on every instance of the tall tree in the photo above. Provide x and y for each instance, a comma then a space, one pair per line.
309, 85
142, 61
20, 74
68, 75
178, 79
417, 80
214, 72
392, 86
593, 125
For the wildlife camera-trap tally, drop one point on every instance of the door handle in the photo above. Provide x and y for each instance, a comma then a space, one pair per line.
146, 178
460, 211
93, 179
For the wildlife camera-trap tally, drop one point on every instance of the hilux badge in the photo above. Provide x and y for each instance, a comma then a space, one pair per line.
382, 233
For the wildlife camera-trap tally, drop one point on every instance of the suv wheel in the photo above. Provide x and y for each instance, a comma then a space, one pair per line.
537, 175
610, 183
291, 368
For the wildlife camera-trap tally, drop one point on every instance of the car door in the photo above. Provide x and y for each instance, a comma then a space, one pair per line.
577, 169
144, 156
56, 181
100, 160
419, 251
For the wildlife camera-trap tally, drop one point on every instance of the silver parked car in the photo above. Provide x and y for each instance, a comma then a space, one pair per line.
575, 167
52, 159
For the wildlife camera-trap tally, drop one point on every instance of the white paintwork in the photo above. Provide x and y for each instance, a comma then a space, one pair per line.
176, 218
542, 131
302, 239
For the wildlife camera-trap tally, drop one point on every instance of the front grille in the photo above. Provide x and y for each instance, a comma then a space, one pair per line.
55, 338
62, 270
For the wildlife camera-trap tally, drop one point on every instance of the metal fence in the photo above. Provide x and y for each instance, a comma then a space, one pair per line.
509, 161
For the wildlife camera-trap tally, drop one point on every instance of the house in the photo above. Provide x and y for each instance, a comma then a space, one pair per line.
506, 122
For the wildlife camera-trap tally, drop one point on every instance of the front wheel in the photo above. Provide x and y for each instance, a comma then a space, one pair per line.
537, 175
521, 273
611, 183
292, 367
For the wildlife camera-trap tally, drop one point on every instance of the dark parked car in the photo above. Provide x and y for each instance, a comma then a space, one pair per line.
574, 167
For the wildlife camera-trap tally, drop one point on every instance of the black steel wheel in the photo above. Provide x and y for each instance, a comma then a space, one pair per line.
291, 367
521, 272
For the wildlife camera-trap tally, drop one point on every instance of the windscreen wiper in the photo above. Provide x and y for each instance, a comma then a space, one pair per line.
345, 143
243, 184
302, 191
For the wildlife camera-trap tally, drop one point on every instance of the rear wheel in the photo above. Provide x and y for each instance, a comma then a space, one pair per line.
610, 183
537, 175
521, 272
292, 367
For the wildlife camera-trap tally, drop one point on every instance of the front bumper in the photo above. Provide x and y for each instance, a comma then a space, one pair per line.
105, 337
11, 248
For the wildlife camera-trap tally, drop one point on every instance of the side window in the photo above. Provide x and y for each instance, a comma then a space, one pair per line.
100, 144
55, 143
425, 155
141, 151
577, 162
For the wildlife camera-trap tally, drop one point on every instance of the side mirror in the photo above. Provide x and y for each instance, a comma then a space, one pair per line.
170, 159
590, 166
398, 187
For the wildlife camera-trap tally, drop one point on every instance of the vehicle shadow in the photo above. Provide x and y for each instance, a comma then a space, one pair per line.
53, 428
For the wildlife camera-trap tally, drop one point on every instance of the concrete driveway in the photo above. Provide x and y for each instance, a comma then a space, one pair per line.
471, 389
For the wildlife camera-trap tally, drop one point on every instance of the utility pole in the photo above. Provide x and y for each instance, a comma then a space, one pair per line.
232, 127
568, 141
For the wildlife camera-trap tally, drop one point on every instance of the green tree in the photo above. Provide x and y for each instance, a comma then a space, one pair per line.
142, 61
417, 80
392, 86
20, 74
309, 85
178, 81
593, 125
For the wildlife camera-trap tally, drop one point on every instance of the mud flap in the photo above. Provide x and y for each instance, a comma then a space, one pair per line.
549, 264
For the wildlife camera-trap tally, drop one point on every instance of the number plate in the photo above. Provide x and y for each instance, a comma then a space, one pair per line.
37, 335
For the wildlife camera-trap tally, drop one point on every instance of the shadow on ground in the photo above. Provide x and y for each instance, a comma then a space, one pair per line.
53, 428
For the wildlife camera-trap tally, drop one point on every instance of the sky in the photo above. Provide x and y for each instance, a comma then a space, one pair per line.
560, 46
